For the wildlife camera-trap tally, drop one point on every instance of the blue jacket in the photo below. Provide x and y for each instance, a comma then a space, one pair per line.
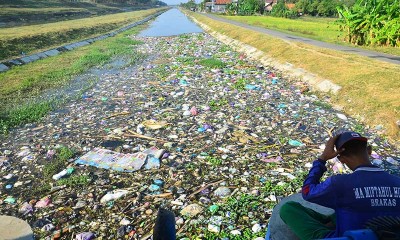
366, 193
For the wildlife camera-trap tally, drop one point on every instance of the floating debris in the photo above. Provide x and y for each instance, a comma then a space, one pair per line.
195, 128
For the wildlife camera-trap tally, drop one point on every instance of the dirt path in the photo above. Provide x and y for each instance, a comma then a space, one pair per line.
288, 37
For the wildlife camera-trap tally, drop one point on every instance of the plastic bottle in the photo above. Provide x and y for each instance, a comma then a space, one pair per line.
63, 173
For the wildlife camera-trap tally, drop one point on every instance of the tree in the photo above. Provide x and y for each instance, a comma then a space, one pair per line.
250, 7
231, 9
280, 9
191, 4
302, 6
327, 8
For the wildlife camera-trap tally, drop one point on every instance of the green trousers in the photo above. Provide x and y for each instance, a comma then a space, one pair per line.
306, 223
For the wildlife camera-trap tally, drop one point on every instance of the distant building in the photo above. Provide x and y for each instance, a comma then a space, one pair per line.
209, 6
269, 4
218, 6
290, 5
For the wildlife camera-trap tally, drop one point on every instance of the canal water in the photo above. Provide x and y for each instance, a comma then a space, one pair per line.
171, 23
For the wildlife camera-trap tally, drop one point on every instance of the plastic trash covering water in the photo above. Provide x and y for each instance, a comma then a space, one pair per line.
196, 128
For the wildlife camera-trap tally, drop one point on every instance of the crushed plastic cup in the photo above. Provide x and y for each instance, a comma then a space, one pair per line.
43, 203
10, 200
295, 143
114, 195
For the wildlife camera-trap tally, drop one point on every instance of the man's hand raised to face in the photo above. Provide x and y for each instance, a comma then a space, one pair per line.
330, 151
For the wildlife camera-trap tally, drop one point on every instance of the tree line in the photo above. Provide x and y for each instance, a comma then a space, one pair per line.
324, 8
365, 22
128, 2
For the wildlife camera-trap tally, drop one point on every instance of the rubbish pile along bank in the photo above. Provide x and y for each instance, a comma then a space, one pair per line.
196, 128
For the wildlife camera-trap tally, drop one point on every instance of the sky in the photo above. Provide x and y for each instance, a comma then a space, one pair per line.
176, 2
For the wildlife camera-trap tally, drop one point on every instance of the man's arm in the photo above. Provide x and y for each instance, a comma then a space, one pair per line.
316, 192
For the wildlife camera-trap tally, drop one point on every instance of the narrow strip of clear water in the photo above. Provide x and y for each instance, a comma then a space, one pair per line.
171, 23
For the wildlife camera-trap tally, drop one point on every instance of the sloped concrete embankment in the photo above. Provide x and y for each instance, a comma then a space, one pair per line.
5, 66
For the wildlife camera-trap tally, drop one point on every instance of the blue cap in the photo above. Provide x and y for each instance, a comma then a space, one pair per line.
348, 136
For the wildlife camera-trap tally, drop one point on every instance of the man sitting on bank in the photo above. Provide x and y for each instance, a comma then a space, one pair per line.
366, 193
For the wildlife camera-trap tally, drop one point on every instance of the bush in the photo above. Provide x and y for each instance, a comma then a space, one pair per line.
325, 8
250, 7
372, 22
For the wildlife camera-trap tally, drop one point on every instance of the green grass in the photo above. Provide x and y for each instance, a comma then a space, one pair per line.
75, 181
40, 7
57, 164
286, 188
40, 4
54, 166
245, 234
240, 84
24, 114
322, 29
5, 11
20, 80
20, 83
322, 104
186, 60
359, 128
30, 39
240, 206
212, 63
214, 161
217, 104
33, 12
160, 71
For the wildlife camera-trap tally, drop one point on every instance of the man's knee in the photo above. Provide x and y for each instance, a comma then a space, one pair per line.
288, 209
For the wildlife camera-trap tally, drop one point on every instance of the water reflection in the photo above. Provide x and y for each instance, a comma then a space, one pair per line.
171, 23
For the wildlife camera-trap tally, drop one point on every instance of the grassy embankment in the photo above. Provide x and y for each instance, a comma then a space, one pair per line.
20, 83
40, 4
30, 39
370, 88
11, 11
27, 12
10, 8
322, 29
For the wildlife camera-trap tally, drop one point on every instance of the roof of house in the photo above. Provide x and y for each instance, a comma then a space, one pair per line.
290, 5
222, 2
